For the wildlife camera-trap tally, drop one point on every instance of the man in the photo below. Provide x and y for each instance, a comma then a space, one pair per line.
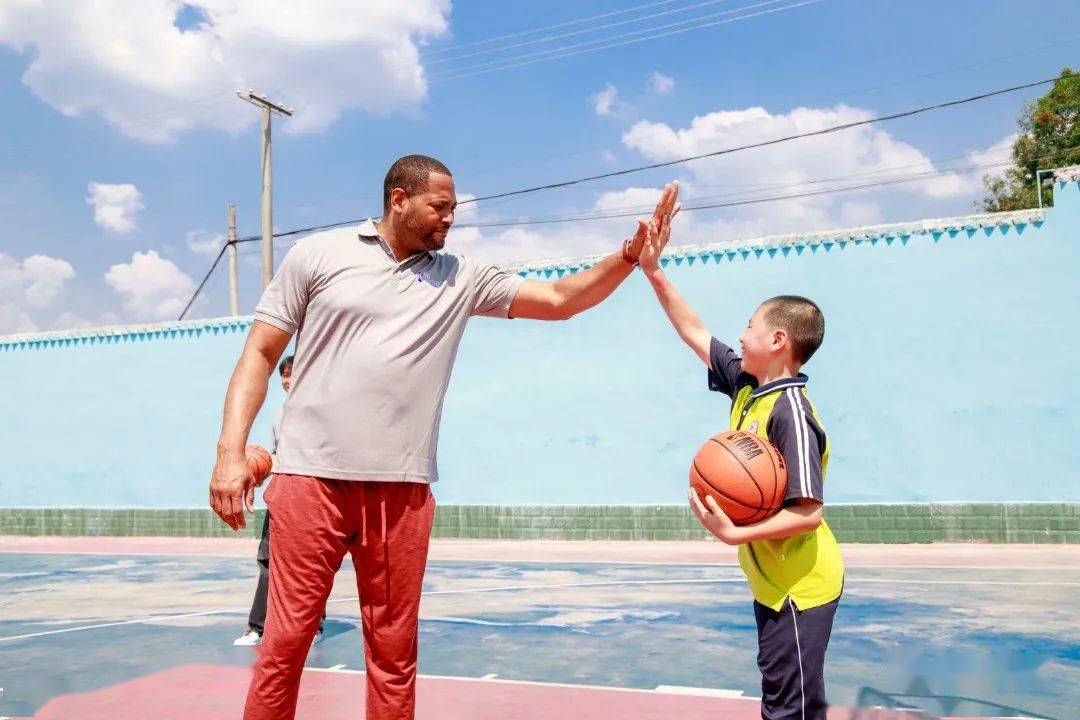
378, 318
257, 616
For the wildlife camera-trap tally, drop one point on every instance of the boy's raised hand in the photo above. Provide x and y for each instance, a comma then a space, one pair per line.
658, 230
666, 208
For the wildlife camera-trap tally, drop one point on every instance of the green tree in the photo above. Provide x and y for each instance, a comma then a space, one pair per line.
1049, 137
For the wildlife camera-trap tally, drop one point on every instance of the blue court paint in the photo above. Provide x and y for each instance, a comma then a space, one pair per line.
1014, 646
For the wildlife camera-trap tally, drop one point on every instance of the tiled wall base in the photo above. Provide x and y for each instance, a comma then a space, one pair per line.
901, 523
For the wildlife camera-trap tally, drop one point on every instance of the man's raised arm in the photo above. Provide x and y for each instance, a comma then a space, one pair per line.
576, 293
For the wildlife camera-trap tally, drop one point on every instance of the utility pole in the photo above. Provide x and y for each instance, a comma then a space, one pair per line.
268, 107
234, 282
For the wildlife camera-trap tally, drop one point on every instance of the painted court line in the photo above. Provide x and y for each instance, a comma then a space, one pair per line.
489, 561
137, 621
860, 566
660, 689
497, 561
555, 586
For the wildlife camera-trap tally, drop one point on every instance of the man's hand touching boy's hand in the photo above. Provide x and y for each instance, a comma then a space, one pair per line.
658, 232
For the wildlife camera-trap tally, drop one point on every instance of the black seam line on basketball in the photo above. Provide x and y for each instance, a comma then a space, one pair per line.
746, 469
721, 492
718, 491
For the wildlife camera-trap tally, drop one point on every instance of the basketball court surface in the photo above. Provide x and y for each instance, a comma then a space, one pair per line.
96, 628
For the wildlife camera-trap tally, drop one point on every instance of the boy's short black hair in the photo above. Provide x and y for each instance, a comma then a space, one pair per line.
285, 366
803, 321
410, 173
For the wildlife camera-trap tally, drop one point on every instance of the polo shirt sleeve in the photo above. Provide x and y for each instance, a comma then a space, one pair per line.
285, 299
793, 430
494, 291
725, 366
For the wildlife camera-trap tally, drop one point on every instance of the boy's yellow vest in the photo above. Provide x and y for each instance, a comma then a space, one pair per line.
806, 567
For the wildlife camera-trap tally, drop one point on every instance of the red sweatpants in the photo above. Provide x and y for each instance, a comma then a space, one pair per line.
313, 523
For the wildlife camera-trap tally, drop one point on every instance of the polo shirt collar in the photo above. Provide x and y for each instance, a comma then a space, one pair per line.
368, 229
781, 384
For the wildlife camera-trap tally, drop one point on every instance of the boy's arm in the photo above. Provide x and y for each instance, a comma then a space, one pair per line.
724, 364
795, 519
683, 318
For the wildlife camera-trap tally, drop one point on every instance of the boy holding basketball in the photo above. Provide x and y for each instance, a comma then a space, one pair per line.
791, 559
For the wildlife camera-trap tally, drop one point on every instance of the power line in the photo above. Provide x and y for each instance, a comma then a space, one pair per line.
206, 277
586, 31
727, 151
716, 153
775, 141
913, 177
549, 27
984, 61
967, 66
571, 50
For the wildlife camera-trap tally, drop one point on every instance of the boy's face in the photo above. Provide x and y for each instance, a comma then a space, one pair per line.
286, 380
760, 344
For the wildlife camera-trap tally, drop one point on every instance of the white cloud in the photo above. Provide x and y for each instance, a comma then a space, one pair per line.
37, 280
660, 83
159, 68
115, 206
204, 243
153, 287
604, 101
32, 283
1000, 151
14, 321
859, 155
72, 321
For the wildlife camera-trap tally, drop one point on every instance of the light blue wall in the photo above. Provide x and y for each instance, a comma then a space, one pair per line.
947, 374
119, 423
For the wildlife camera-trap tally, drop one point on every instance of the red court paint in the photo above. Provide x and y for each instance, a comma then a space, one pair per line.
209, 692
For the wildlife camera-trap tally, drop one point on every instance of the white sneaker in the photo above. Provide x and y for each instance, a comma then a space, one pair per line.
317, 639
248, 639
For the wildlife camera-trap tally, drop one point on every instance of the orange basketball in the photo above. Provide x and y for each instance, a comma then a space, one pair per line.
744, 474
258, 461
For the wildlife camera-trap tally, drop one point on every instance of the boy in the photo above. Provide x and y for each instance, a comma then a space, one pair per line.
257, 616
791, 560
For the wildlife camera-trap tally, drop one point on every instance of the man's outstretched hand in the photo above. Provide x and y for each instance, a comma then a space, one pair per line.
666, 208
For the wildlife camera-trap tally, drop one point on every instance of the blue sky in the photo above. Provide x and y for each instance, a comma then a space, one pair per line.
133, 111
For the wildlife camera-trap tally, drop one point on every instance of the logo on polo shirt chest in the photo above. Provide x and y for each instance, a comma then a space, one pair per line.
422, 275
752, 428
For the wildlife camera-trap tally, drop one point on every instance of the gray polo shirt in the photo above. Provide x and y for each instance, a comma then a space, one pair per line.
375, 343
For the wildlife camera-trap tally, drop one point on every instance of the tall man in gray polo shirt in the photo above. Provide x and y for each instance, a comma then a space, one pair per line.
378, 314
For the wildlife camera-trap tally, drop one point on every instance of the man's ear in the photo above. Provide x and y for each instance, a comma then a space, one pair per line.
398, 199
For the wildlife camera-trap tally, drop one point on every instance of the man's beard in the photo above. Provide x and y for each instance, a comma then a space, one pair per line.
427, 238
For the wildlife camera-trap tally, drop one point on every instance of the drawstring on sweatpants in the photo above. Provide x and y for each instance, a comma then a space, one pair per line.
382, 514
363, 521
382, 507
